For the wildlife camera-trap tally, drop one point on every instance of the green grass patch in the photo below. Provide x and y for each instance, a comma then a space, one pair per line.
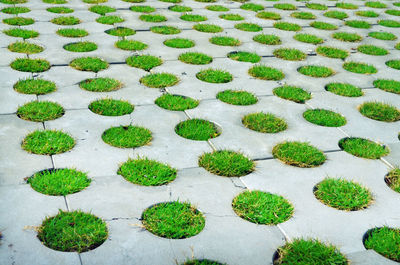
101, 10
385, 241
308, 38
15, 10
153, 18
388, 85
159, 80
32, 86
57, 2
25, 47
147, 172
227, 163
364, 148
19, 21
316, 6
208, 28
13, 2
82, 46
389, 23
103, 1
91, 64
324, 117
344, 89
145, 62
303, 15
395, 64
285, 6
47, 142
165, 30
298, 154
262, 207
181, 9
309, 251
375, 4
379, 111
372, 50
264, 122
30, 65
21, 33
287, 26
120, 31
66, 21
59, 182
244, 57
360, 24
336, 14
100, 84
344, 5
332, 52
217, 8
269, 15
193, 18
142, 9
176, 102
111, 107
234, 17
202, 262
397, 46
40, 111
195, 58
127, 136
73, 231
252, 7
134, 1
323, 25
382, 35
169, 1
316, 71
392, 179
267, 39
179, 43
248, 27
292, 93
225, 41
266, 73
72, 33
367, 13
360, 68
131, 45
237, 97
60, 10
393, 12
174, 220
214, 76
290, 54
197, 129
345, 36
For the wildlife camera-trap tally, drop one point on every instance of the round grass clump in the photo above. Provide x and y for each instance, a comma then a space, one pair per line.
372, 50
176, 102
316, 6
395, 64
287, 26
109, 20
299, 154
375, 4
47, 142
21, 33
145, 62
225, 41
360, 24
59, 182
56, 2
266, 73
40, 111
120, 31
290, 54
82, 46
234, 17
285, 6
19, 21
364, 148
344, 89
379, 111
101, 10
393, 12
25, 47
346, 5
179, 43
367, 13
251, 27
111, 107
197, 129
360, 68
153, 18
35, 86
292, 93
165, 30
146, 172
303, 15
397, 46
131, 45
262, 207
324, 117
227, 163
237, 97
343, 194
13, 2
217, 8
389, 23
323, 25
308, 38
252, 7
391, 86
181, 9
73, 231
202, 262
30, 65
332, 52
244, 57
159, 80
92, 64
193, 18
66, 21
264, 122
267, 39
60, 10
174, 220
195, 58
127, 136
15, 10
142, 9
392, 179
269, 15
336, 14
309, 251
214, 76
385, 241
345, 36
316, 71
208, 28
72, 33
382, 35
100, 84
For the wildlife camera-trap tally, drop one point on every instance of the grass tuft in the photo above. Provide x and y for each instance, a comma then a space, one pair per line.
364, 148
234, 17
269, 15
195, 58
165, 30
323, 25
287, 26
193, 18
360, 68
66, 21
292, 93
109, 20
382, 35
264, 122
367, 13
35, 86
72, 33
101, 9
252, 7
127, 136
40, 111
345, 36
251, 27
298, 154
120, 31
217, 8
344, 89
316, 6
25, 47
159, 80
360, 24
395, 64
30, 65
237, 97
145, 62
208, 28
47, 142
266, 73
392, 179
180, 9
214, 76
379, 111
372, 50
389, 23
336, 14
176, 102
308, 38
100, 84
244, 57
131, 45
324, 117
91, 64
303, 15
83, 46
267, 39
153, 18
19, 21
179, 43
290, 54
225, 41
60, 10
385, 241
21, 33
332, 52
388, 85
375, 4
316, 71
197, 129
142, 9
111, 107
